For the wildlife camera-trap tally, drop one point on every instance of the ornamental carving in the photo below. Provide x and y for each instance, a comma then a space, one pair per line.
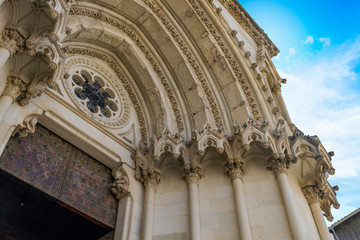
15, 87
249, 25
13, 41
279, 163
313, 194
97, 92
26, 127
120, 187
230, 58
192, 172
150, 177
123, 79
147, 53
191, 59
234, 168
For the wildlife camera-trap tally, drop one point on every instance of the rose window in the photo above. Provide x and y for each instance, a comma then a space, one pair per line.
92, 91
97, 91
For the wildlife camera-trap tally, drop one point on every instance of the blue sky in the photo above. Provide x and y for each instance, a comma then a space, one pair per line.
319, 44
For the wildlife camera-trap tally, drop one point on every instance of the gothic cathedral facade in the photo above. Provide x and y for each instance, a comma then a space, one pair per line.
155, 119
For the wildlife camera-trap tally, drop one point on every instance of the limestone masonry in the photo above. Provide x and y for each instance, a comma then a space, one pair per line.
157, 119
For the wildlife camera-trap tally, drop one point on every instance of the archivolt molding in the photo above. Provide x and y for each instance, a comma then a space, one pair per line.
250, 26
190, 58
79, 11
122, 77
229, 57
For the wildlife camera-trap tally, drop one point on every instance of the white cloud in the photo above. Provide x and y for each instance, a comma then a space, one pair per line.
322, 99
325, 41
292, 51
308, 40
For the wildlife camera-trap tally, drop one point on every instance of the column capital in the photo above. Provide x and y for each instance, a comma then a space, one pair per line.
12, 40
15, 87
313, 194
192, 172
151, 178
234, 168
278, 164
120, 186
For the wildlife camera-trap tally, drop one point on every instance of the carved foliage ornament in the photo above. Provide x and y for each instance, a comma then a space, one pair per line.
279, 163
234, 168
150, 177
313, 194
15, 87
192, 172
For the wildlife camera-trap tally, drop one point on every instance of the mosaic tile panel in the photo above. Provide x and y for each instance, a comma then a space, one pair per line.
54, 166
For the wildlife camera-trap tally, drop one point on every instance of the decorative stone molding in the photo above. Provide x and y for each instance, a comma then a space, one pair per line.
124, 80
15, 87
249, 25
279, 163
279, 127
150, 178
78, 11
229, 57
114, 111
26, 127
252, 131
120, 187
235, 168
209, 138
167, 143
13, 41
192, 172
191, 59
313, 194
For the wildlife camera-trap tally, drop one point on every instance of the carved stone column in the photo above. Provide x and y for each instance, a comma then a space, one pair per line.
313, 194
11, 42
151, 180
279, 164
120, 188
234, 168
13, 89
193, 173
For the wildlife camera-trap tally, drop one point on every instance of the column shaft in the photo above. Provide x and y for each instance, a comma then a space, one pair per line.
5, 103
241, 209
194, 211
290, 207
5, 134
319, 220
148, 213
4, 56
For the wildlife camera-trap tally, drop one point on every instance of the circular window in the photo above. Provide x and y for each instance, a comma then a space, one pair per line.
94, 94
97, 92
